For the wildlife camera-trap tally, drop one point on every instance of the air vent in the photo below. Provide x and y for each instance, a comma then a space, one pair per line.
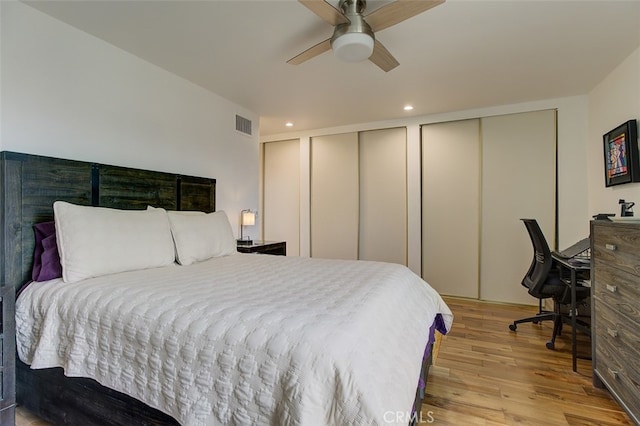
243, 125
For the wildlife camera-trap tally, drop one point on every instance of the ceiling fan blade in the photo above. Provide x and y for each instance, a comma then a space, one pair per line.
382, 58
311, 52
325, 11
397, 12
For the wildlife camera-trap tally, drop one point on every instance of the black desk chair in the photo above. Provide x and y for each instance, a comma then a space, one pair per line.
543, 282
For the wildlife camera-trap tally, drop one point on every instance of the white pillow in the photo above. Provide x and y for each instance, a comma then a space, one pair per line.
200, 237
95, 241
177, 211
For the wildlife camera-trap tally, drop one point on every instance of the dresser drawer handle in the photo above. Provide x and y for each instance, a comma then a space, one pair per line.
612, 333
611, 247
613, 373
612, 288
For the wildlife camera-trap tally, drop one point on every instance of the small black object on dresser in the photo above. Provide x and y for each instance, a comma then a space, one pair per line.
278, 248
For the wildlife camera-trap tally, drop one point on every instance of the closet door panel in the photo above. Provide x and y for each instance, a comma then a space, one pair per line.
383, 195
281, 194
519, 181
451, 207
334, 196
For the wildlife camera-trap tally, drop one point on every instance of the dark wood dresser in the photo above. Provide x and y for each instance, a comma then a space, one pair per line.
615, 288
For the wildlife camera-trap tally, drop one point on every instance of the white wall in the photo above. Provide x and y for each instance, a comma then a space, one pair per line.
612, 102
70, 95
572, 177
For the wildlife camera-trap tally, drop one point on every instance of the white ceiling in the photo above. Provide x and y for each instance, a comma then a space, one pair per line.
460, 55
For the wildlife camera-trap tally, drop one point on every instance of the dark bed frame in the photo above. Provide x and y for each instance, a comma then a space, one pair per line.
29, 186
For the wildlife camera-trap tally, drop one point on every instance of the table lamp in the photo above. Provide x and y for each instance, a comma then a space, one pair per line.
247, 218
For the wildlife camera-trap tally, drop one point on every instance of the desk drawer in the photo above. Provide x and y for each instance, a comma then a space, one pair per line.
617, 289
618, 246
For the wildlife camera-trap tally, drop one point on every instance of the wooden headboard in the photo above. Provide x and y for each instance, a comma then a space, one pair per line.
29, 185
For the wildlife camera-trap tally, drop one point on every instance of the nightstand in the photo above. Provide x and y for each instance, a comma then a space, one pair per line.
278, 248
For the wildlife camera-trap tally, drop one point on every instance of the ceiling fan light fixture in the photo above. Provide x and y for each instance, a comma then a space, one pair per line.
353, 47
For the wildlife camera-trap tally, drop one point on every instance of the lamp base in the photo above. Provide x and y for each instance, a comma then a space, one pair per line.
244, 242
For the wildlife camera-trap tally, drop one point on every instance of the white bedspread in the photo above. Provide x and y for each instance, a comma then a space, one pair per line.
242, 339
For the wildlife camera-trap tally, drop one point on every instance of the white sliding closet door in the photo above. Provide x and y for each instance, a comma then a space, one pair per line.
451, 207
518, 181
281, 194
334, 196
383, 195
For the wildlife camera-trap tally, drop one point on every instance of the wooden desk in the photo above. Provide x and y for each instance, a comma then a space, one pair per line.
569, 271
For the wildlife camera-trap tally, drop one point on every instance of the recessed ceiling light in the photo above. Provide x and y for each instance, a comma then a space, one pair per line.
408, 107
288, 124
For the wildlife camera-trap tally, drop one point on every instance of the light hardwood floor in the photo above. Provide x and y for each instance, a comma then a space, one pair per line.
485, 374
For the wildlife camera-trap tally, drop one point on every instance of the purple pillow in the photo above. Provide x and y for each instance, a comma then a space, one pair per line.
46, 260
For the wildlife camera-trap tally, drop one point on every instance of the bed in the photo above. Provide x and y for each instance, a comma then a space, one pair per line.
230, 339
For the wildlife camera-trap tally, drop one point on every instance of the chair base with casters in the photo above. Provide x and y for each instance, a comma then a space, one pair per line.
557, 326
554, 289
554, 316
542, 315
582, 293
561, 298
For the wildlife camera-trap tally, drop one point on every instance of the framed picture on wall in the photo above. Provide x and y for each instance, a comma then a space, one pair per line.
621, 164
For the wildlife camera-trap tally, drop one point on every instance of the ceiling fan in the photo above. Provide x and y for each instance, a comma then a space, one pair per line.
354, 34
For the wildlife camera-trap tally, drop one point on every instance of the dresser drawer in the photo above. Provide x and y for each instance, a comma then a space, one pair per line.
617, 289
618, 246
617, 377
616, 361
620, 335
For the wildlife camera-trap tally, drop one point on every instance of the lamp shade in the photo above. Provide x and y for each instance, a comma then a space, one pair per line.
248, 218
353, 47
